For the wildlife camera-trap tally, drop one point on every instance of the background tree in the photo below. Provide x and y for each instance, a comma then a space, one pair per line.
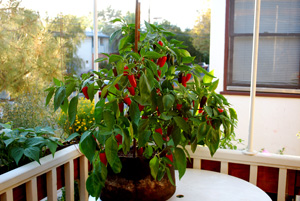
201, 35
29, 54
32, 51
185, 36
69, 31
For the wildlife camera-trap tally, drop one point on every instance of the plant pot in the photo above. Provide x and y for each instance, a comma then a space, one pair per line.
135, 183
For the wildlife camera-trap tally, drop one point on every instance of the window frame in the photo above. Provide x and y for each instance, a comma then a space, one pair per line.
243, 89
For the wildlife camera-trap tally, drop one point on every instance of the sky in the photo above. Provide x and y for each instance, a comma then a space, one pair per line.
180, 13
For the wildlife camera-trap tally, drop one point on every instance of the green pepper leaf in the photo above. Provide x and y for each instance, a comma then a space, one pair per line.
59, 97
87, 145
73, 109
180, 160
154, 165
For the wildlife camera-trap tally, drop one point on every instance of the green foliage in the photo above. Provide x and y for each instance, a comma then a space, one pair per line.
33, 51
22, 145
28, 111
201, 35
164, 113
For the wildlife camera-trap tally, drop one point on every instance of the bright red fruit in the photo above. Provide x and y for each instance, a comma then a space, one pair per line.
170, 157
179, 106
188, 76
132, 80
183, 81
144, 117
159, 73
117, 86
131, 90
127, 100
163, 61
158, 112
159, 130
161, 43
185, 118
201, 110
119, 139
84, 91
125, 72
121, 107
140, 151
220, 110
103, 158
158, 62
167, 139
141, 107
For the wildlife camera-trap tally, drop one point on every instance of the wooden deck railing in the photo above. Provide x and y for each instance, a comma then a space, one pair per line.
29, 173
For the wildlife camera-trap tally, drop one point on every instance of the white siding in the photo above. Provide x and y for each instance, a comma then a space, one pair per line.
277, 120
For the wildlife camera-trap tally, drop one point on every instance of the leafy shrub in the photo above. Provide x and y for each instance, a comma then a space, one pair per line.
20, 146
84, 118
28, 111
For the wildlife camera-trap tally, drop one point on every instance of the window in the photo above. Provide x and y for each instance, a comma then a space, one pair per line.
279, 46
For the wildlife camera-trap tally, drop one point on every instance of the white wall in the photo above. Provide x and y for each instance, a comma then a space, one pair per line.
277, 120
85, 53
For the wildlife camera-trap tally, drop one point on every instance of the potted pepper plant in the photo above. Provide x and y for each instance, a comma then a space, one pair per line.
153, 102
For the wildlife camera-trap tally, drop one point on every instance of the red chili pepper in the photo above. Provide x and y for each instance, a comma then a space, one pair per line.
84, 91
127, 100
158, 62
163, 61
125, 72
103, 158
188, 76
158, 112
131, 90
200, 110
220, 110
119, 139
161, 43
144, 117
159, 130
117, 86
193, 103
179, 106
140, 151
159, 73
132, 80
167, 139
157, 90
169, 130
115, 72
170, 157
121, 107
183, 81
157, 78
185, 118
141, 107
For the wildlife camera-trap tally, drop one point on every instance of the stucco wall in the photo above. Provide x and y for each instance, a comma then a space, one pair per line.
277, 120
85, 52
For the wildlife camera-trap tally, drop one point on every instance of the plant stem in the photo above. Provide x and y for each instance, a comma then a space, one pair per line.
134, 147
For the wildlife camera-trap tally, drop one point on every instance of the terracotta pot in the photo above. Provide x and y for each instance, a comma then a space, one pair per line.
135, 183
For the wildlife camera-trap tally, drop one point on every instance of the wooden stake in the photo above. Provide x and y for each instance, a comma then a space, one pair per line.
137, 24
